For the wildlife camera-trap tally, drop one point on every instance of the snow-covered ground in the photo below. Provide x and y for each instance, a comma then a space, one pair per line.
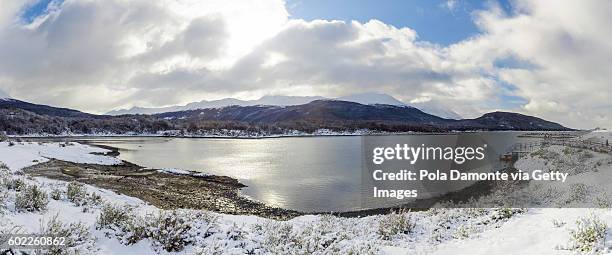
19, 155
148, 230
547, 230
539, 231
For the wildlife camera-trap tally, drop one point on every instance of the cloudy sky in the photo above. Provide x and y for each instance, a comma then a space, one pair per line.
546, 58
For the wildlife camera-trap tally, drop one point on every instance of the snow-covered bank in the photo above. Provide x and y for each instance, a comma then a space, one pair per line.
117, 224
554, 230
20, 155
539, 231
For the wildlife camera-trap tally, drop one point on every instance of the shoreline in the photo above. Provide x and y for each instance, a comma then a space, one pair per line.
163, 190
87, 136
211, 192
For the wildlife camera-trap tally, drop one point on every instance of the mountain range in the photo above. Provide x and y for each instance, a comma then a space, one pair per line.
362, 98
23, 118
329, 111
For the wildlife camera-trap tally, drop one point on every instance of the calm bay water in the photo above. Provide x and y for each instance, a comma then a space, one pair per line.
301, 173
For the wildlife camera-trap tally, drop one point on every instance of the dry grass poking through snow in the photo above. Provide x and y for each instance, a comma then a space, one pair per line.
589, 235
31, 198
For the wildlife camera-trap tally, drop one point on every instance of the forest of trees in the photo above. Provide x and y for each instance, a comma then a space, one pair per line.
21, 122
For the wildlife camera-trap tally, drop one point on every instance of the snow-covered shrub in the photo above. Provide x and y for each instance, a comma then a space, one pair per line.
214, 248
31, 198
474, 212
76, 193
577, 193
325, 234
169, 230
3, 198
395, 223
446, 223
317, 237
361, 248
115, 217
78, 238
538, 194
505, 213
56, 194
463, 232
278, 237
603, 201
8, 229
232, 240
4, 179
121, 222
589, 234
94, 199
16, 184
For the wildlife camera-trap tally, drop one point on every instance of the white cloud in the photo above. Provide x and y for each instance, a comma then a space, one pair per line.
450, 5
568, 46
96, 55
104, 45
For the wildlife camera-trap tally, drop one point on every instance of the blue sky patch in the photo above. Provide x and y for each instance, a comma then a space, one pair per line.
438, 21
31, 12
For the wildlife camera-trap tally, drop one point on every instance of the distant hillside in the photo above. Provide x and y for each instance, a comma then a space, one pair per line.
266, 100
42, 109
334, 111
362, 98
18, 117
319, 110
511, 121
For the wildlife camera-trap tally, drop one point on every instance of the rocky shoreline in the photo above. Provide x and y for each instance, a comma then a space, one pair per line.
163, 190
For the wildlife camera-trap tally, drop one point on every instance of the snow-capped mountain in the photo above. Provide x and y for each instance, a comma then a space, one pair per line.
379, 98
266, 100
362, 98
